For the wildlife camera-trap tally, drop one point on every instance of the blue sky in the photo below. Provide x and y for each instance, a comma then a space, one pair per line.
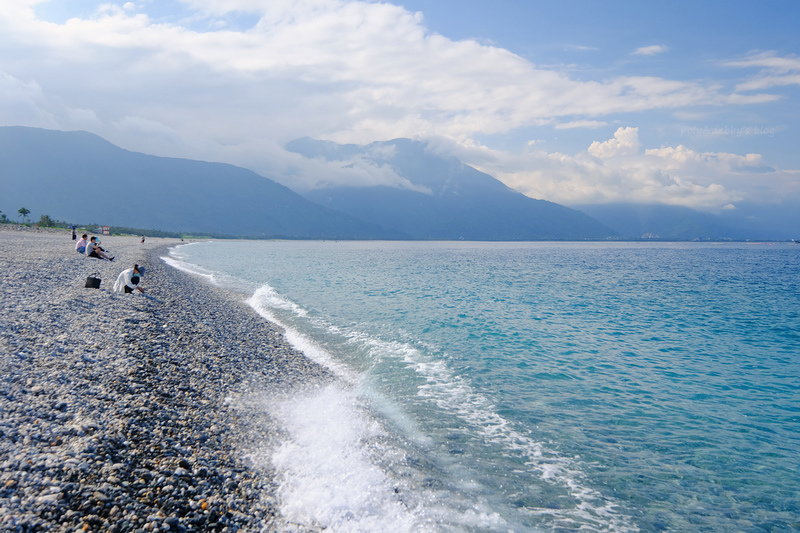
682, 103
596, 40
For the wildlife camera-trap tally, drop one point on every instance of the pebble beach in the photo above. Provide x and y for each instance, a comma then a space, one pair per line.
118, 412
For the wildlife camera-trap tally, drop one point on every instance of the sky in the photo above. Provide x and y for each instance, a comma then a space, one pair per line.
577, 102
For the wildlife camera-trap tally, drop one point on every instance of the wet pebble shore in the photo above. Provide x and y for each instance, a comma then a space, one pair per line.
115, 411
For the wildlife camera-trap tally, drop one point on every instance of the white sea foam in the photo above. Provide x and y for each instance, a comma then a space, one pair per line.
328, 464
191, 269
177, 260
329, 474
264, 300
453, 394
338, 471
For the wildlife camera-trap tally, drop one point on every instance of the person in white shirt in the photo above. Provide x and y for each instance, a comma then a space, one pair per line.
93, 250
128, 280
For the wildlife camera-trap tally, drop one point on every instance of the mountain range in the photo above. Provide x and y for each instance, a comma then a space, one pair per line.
79, 177
749, 221
444, 199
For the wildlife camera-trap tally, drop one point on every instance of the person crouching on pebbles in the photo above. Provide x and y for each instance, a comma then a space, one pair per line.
129, 280
93, 250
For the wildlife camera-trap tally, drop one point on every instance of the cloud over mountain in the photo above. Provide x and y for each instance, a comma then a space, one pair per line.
234, 80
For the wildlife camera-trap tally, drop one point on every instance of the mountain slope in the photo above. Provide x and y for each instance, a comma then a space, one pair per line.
660, 221
447, 200
80, 177
746, 221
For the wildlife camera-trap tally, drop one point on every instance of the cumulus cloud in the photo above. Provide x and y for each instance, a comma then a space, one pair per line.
619, 170
625, 142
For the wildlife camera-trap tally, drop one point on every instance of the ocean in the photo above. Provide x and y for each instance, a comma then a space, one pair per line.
546, 386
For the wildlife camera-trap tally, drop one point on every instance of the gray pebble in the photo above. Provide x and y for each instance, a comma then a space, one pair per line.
113, 412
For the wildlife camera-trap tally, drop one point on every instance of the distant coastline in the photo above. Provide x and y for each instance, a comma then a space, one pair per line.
47, 173
187, 236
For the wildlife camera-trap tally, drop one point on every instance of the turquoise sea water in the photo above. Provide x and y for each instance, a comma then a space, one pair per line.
533, 386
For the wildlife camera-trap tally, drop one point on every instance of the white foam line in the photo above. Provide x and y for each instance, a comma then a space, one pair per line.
195, 270
450, 393
264, 299
453, 394
328, 478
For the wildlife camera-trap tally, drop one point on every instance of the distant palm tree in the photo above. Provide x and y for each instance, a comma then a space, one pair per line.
23, 212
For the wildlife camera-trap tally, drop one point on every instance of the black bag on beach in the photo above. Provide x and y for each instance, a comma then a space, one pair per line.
93, 281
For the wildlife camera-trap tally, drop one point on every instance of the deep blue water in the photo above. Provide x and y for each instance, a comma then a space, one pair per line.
533, 386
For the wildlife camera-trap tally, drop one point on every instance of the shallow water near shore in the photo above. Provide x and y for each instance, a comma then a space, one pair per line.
532, 386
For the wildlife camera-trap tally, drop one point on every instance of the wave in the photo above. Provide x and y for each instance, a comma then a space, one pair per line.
177, 260
452, 395
358, 458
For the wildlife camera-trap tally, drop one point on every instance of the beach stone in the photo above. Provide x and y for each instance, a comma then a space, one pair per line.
117, 407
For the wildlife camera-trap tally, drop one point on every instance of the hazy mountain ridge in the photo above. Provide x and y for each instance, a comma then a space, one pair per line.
462, 202
745, 222
80, 177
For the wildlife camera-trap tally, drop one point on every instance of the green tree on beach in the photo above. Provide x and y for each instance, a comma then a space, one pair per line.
24, 212
46, 222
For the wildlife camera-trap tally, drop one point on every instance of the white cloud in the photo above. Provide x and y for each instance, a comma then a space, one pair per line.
150, 135
85, 119
625, 142
618, 170
650, 50
24, 104
588, 124
349, 71
769, 60
582, 48
380, 72
774, 71
765, 82
317, 173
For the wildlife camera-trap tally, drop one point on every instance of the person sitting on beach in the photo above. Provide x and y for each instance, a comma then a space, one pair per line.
80, 246
129, 280
93, 250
